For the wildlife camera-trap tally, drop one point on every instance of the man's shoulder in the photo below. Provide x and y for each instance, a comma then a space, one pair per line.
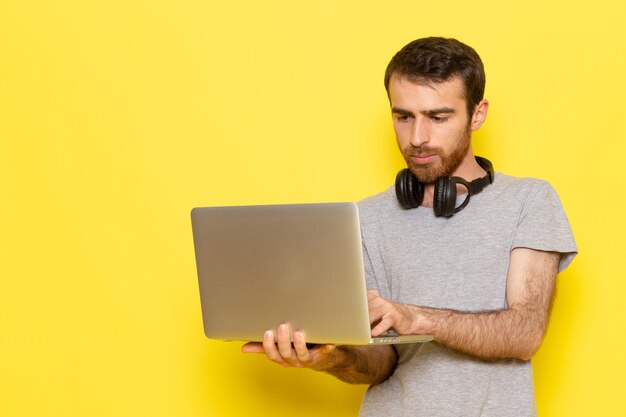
383, 199
510, 180
379, 206
523, 194
509, 183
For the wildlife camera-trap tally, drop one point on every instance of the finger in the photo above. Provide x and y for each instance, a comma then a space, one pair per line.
378, 307
383, 326
269, 346
301, 348
374, 316
376, 302
371, 294
375, 312
284, 345
253, 347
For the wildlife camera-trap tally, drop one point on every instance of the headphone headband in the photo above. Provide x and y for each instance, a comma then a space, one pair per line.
479, 184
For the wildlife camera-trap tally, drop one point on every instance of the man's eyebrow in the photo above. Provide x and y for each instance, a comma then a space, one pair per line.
432, 112
442, 110
397, 110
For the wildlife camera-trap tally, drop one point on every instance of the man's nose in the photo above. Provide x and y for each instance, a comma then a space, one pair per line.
420, 133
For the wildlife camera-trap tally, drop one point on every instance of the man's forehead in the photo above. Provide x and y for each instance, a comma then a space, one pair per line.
453, 82
403, 87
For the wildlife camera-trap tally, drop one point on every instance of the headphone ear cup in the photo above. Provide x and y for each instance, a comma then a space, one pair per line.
445, 197
409, 191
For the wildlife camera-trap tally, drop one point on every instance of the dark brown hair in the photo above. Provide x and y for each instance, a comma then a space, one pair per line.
436, 60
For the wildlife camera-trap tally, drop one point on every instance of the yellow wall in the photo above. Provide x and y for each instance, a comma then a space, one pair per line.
117, 117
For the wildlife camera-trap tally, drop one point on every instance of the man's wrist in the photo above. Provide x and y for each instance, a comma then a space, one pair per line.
424, 321
339, 358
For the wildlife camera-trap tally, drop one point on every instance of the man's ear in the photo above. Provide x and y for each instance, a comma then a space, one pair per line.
480, 114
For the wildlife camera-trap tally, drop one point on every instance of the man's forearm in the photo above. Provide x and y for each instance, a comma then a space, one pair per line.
364, 364
510, 333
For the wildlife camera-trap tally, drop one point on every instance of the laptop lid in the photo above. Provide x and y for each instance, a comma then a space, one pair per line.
259, 266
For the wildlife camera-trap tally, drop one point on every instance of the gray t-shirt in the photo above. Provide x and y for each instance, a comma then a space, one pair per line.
458, 263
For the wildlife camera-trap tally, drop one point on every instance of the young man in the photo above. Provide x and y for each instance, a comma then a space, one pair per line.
479, 277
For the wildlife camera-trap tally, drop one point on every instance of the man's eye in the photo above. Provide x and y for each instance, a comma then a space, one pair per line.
403, 117
439, 119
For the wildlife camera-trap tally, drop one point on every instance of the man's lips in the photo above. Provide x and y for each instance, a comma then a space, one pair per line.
423, 158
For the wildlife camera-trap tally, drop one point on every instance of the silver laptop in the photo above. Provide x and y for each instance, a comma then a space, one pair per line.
260, 266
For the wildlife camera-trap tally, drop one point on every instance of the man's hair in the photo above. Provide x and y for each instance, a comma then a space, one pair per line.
435, 60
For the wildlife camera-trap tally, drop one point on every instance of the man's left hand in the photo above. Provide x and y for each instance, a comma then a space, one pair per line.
386, 315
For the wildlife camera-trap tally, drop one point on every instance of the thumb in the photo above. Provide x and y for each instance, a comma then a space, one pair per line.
252, 347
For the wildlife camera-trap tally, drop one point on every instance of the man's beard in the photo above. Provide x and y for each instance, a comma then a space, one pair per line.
443, 166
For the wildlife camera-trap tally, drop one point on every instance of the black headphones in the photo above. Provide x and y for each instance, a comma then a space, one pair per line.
410, 191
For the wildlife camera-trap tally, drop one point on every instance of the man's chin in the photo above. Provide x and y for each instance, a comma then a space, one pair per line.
425, 175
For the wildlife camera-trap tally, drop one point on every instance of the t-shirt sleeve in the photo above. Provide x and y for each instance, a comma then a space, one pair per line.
373, 265
370, 276
543, 225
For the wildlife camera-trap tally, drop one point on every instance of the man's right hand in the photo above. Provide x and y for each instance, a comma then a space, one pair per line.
279, 348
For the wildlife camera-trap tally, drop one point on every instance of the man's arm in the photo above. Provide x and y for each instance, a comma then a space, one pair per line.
515, 332
352, 364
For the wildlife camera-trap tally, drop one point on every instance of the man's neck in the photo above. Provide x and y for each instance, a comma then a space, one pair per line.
469, 170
